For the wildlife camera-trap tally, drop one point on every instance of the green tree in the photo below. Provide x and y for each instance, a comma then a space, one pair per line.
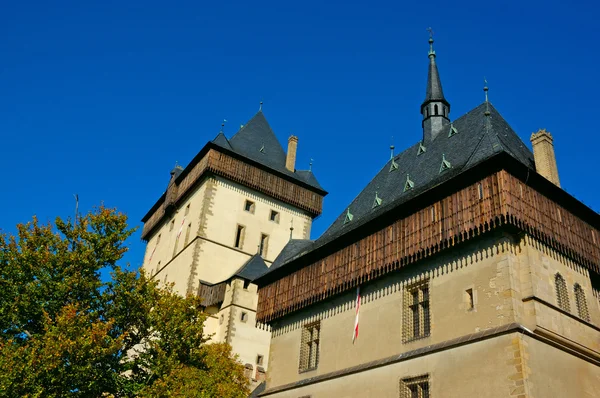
66, 331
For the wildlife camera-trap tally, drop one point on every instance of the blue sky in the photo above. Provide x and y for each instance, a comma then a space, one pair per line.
101, 99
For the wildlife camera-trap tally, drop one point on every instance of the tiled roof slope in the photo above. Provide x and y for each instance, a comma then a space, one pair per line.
257, 141
252, 268
292, 249
477, 138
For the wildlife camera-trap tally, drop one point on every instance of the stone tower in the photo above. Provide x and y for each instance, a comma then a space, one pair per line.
222, 222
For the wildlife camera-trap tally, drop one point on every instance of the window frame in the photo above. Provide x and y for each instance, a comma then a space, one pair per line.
310, 343
249, 206
416, 323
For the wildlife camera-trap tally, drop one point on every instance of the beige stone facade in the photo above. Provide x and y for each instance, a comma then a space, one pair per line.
197, 244
495, 330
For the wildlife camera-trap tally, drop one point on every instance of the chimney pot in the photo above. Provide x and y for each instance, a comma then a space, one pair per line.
543, 154
290, 160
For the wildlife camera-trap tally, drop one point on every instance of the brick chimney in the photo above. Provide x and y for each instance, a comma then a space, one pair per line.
290, 160
543, 154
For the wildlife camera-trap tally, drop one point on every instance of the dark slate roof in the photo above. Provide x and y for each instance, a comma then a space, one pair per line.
434, 90
258, 390
294, 248
308, 177
257, 141
477, 139
253, 268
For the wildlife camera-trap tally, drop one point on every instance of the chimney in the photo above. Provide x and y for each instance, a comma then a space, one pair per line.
543, 154
290, 160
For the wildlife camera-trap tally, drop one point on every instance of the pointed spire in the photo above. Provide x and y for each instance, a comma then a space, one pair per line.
434, 85
435, 108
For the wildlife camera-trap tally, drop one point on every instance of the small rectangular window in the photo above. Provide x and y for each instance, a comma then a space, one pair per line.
249, 206
187, 234
415, 387
158, 239
239, 236
559, 215
593, 237
259, 360
417, 320
264, 240
187, 210
432, 213
469, 299
309, 346
172, 225
244, 317
480, 190
246, 284
274, 216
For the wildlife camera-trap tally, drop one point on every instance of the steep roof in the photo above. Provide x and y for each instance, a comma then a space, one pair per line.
252, 268
257, 141
470, 140
292, 249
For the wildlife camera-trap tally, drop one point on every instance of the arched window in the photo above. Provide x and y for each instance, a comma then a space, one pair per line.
582, 309
426, 111
435, 109
445, 111
562, 297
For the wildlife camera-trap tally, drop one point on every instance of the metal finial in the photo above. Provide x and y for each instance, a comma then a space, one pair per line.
431, 51
291, 228
487, 103
392, 151
260, 107
223, 125
310, 165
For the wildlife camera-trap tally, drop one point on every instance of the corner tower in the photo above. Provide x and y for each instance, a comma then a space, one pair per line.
435, 109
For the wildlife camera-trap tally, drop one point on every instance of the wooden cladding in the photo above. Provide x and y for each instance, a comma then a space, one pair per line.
495, 200
245, 174
212, 294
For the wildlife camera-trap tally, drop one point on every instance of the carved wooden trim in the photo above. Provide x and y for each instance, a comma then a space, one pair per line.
455, 218
243, 173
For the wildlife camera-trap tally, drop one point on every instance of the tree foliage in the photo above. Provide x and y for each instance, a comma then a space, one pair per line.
67, 331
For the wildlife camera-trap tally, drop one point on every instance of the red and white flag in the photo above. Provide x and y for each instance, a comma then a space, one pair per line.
181, 227
355, 332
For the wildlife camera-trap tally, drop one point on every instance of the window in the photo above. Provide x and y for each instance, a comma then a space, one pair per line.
259, 360
274, 216
469, 299
416, 322
415, 387
158, 240
239, 236
581, 304
172, 225
427, 112
246, 284
187, 210
221, 319
432, 213
244, 317
262, 249
562, 297
480, 191
435, 109
309, 347
187, 234
249, 206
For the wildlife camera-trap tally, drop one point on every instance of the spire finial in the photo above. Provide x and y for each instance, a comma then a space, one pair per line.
260, 106
310, 165
291, 228
431, 51
392, 151
223, 125
487, 103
